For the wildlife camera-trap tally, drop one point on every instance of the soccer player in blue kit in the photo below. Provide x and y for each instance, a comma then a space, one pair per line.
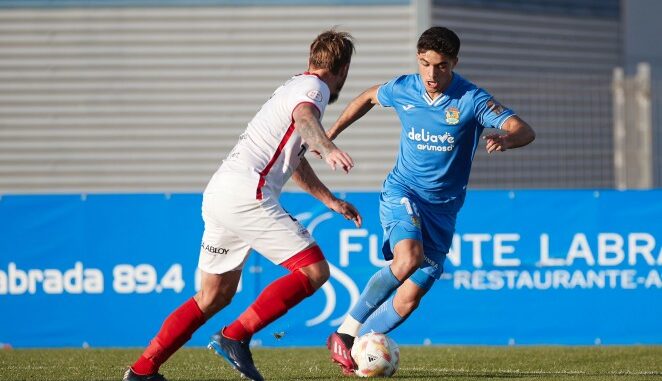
443, 116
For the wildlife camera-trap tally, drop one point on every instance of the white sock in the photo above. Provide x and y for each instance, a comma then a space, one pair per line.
350, 326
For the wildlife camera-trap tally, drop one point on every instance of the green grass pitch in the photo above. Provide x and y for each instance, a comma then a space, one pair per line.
417, 363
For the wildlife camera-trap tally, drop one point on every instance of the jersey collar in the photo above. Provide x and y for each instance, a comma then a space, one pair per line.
442, 97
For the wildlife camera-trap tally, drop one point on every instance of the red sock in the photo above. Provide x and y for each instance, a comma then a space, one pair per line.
281, 295
277, 298
175, 332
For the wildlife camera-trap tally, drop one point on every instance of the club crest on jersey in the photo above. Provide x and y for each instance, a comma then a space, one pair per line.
315, 95
452, 115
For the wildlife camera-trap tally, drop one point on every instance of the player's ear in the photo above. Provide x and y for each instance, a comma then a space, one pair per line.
454, 61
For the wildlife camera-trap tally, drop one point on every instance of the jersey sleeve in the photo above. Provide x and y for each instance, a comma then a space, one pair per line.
489, 112
386, 91
309, 90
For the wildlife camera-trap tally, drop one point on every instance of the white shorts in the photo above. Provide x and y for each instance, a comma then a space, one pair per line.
236, 222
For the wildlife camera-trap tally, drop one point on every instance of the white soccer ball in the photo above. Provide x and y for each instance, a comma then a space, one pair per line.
376, 355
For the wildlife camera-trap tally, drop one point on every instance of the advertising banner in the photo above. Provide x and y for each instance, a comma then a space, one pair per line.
526, 267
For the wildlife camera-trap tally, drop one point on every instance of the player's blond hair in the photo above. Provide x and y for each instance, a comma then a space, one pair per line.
331, 50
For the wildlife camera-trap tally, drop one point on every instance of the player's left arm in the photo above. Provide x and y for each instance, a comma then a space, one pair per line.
518, 134
356, 109
306, 178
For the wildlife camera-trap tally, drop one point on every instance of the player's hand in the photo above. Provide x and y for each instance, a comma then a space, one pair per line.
338, 158
495, 142
347, 210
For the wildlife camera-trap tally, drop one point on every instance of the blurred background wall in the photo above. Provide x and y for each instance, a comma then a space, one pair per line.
149, 96
114, 96
552, 62
641, 30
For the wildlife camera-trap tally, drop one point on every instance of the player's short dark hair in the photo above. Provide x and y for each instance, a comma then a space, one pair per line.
331, 50
441, 40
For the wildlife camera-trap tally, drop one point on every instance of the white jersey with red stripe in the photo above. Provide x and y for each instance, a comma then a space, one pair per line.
270, 149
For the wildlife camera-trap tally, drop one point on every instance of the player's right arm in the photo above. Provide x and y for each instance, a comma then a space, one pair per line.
306, 121
358, 107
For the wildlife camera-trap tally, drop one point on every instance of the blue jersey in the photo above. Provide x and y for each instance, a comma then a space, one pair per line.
439, 137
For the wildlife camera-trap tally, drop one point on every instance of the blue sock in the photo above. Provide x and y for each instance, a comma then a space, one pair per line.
383, 320
379, 287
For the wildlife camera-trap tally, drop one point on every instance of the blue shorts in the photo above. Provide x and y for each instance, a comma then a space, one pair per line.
404, 217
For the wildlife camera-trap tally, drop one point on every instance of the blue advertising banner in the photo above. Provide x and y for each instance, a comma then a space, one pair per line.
526, 267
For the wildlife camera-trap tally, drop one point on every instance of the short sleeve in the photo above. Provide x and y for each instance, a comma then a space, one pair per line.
385, 93
309, 89
489, 112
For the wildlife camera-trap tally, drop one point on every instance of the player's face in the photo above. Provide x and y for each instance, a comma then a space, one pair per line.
436, 70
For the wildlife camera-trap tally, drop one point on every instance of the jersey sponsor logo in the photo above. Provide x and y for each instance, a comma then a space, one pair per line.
452, 115
433, 142
214, 250
426, 136
407, 107
495, 107
314, 95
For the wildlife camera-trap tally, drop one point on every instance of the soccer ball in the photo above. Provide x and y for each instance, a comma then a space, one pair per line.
376, 355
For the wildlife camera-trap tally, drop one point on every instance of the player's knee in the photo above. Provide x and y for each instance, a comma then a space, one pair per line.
403, 268
318, 273
406, 262
409, 250
212, 301
311, 263
417, 257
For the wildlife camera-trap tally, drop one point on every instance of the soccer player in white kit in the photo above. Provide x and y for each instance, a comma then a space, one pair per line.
241, 211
